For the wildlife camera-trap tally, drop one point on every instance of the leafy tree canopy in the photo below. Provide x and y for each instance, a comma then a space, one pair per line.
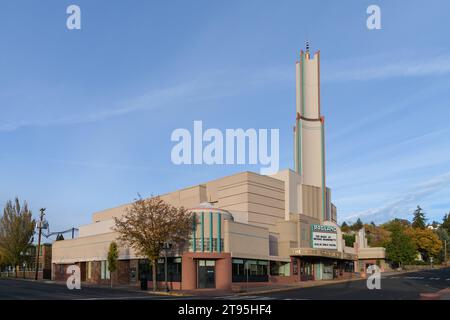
426, 241
150, 223
419, 220
400, 249
16, 231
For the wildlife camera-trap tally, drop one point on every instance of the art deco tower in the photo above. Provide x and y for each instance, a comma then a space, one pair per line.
309, 128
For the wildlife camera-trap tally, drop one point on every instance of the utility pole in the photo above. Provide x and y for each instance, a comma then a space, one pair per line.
39, 242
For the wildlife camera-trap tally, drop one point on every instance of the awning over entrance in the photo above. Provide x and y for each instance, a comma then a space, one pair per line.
310, 252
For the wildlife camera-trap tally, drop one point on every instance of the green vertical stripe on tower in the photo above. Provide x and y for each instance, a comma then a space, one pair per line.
299, 146
194, 231
202, 230
219, 232
211, 231
323, 169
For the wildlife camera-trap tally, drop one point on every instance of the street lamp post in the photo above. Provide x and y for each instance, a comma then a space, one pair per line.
23, 263
39, 243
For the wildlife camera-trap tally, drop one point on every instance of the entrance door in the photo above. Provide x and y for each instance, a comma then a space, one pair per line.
206, 274
306, 270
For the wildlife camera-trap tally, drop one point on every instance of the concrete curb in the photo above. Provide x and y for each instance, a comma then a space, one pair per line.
435, 295
317, 284
171, 293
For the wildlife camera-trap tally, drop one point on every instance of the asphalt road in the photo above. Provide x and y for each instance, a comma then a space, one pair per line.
12, 289
393, 287
407, 286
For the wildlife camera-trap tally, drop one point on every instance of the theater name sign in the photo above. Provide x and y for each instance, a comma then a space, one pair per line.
323, 237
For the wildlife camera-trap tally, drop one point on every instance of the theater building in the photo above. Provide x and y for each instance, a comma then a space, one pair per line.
250, 229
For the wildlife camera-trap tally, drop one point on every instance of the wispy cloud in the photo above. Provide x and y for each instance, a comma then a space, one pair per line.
225, 83
403, 203
153, 99
220, 83
381, 67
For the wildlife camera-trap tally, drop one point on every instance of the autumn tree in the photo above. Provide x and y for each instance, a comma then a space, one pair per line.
16, 231
419, 220
396, 224
377, 236
357, 225
426, 241
113, 256
149, 223
344, 227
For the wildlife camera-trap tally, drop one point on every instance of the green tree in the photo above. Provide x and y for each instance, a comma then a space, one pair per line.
419, 220
446, 223
444, 236
400, 249
349, 239
16, 231
113, 256
149, 223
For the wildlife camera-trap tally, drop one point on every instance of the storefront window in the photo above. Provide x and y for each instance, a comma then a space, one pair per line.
280, 268
104, 270
249, 270
173, 269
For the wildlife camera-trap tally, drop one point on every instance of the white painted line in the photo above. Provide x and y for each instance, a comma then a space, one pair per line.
434, 278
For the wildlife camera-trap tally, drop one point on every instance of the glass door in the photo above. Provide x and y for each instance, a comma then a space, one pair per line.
206, 274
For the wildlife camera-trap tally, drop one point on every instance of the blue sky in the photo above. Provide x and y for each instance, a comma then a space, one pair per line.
86, 115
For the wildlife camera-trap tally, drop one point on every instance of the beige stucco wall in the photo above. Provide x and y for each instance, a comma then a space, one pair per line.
92, 248
292, 195
372, 253
255, 199
104, 226
288, 237
246, 241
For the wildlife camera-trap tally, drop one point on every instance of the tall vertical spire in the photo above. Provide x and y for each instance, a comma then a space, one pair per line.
309, 126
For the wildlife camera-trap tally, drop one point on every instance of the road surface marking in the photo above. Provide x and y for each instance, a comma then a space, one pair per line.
434, 278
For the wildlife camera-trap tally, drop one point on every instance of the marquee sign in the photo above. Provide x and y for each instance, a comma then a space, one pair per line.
323, 237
